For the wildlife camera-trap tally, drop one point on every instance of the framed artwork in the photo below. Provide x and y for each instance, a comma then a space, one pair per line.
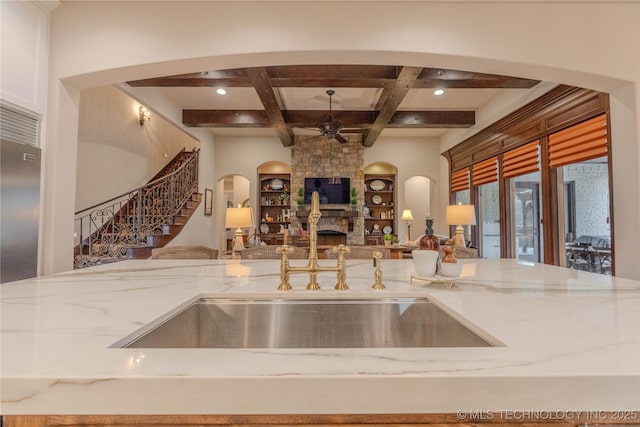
208, 201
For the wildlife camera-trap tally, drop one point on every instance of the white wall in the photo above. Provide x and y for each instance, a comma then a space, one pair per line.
115, 153
491, 37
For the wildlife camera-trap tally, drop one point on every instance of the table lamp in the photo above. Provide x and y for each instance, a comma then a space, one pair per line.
407, 217
460, 215
238, 218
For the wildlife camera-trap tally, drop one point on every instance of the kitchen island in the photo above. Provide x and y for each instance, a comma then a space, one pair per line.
567, 341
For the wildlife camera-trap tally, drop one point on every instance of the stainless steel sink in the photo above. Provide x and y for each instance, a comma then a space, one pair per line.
279, 323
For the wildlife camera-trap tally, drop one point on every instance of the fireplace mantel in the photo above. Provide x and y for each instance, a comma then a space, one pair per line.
337, 213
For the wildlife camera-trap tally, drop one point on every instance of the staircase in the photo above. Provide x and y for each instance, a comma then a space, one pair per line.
131, 225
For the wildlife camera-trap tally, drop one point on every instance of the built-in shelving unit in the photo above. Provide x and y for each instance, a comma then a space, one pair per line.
380, 204
274, 206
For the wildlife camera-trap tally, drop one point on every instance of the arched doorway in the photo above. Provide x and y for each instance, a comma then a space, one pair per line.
233, 191
418, 196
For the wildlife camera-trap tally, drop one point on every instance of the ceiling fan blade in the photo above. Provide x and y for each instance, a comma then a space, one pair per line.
341, 139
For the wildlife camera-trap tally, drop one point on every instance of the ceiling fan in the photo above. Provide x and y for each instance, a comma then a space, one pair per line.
331, 129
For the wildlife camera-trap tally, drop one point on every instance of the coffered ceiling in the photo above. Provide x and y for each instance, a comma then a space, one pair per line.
369, 100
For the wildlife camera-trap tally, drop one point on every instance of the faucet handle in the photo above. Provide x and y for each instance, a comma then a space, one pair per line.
284, 268
284, 250
341, 250
377, 274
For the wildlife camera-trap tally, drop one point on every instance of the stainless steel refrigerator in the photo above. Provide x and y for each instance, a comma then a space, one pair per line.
19, 210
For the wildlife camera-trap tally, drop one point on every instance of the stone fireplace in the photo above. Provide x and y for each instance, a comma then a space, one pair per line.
320, 157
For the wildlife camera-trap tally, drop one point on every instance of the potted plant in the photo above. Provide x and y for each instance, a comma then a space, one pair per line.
354, 197
387, 239
300, 196
396, 241
284, 198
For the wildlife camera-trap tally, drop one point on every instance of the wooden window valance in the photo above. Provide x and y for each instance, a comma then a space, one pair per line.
521, 160
460, 180
580, 142
486, 171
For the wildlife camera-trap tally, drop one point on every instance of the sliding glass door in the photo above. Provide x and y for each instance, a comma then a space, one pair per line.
526, 226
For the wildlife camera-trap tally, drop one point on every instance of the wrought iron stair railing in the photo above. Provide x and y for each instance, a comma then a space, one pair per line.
108, 230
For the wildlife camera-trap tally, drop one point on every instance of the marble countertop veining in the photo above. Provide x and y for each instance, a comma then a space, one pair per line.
571, 341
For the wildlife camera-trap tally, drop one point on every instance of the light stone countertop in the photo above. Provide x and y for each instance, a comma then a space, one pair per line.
571, 342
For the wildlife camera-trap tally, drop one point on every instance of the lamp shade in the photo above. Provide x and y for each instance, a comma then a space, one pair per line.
460, 215
406, 215
238, 218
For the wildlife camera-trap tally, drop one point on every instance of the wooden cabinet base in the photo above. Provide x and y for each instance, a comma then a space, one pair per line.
516, 418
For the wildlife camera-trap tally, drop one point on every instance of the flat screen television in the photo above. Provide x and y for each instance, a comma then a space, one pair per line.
331, 190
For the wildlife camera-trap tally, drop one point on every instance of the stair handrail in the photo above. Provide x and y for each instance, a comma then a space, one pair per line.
145, 209
135, 190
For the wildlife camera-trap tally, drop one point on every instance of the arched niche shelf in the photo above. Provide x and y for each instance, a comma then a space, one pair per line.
380, 168
274, 205
380, 210
274, 167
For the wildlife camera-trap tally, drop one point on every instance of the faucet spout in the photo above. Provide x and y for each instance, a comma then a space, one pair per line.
313, 268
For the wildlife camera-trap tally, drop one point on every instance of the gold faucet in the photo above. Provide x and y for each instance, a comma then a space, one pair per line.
312, 267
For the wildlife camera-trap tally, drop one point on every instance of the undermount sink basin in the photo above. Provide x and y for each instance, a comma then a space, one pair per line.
279, 323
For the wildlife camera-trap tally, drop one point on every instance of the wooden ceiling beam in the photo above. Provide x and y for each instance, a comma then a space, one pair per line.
272, 103
311, 119
506, 83
356, 76
389, 101
226, 118
432, 119
348, 72
222, 78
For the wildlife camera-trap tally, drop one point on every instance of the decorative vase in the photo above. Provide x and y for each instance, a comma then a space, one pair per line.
449, 255
450, 265
429, 241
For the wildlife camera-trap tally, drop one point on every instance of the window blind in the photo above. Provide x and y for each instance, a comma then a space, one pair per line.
580, 142
486, 171
18, 127
521, 160
460, 180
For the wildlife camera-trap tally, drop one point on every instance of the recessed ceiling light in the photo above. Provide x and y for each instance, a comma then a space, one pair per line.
438, 92
221, 91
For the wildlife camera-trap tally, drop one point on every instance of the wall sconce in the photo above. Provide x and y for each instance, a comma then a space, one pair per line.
143, 115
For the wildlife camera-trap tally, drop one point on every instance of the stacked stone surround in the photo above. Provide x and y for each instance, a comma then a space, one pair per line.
319, 157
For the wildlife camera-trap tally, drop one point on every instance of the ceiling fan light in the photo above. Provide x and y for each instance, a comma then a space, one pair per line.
221, 91
438, 92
